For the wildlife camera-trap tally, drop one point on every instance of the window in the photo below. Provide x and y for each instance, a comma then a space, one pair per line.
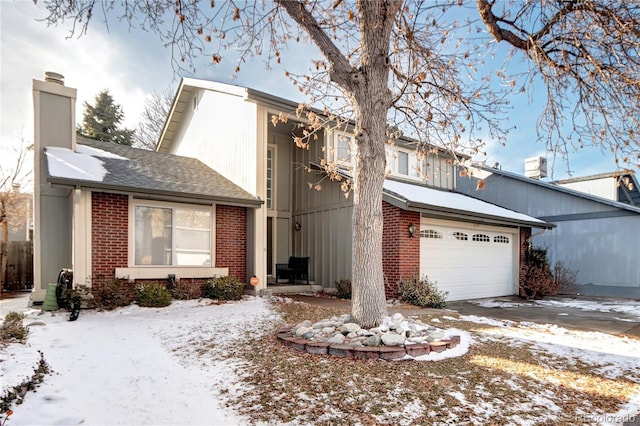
501, 239
172, 235
270, 180
431, 233
403, 163
340, 147
460, 236
481, 237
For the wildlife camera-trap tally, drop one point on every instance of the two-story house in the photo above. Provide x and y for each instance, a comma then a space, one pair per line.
469, 247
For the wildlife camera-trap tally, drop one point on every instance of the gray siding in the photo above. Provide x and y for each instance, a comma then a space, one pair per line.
325, 219
55, 204
598, 240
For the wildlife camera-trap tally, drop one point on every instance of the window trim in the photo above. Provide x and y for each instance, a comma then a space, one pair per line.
431, 233
393, 165
332, 147
138, 202
274, 155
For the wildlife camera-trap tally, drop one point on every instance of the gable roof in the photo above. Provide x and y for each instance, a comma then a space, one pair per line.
554, 187
454, 205
111, 167
189, 86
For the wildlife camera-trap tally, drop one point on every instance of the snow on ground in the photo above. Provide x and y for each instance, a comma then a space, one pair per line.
622, 306
174, 365
131, 365
613, 357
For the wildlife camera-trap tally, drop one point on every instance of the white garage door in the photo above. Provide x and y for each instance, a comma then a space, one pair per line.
468, 262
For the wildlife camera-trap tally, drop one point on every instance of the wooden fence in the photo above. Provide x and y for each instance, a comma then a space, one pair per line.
16, 260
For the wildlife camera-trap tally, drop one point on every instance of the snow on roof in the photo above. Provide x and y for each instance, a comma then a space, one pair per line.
83, 165
419, 194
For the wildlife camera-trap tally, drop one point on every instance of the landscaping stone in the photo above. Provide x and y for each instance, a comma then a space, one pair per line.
373, 340
338, 336
392, 339
349, 327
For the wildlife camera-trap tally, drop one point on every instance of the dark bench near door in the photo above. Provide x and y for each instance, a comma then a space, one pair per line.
297, 268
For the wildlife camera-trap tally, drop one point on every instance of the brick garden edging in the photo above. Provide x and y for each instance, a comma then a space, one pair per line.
387, 353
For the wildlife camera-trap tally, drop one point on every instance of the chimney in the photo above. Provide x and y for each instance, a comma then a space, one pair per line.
54, 114
54, 77
535, 167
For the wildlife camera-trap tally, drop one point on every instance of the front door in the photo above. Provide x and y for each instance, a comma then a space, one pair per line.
269, 246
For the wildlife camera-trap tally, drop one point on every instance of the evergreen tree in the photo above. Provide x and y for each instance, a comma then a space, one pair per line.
101, 121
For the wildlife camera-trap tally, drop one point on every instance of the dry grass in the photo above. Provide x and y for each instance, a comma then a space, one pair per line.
498, 382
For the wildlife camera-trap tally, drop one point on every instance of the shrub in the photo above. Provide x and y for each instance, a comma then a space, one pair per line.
83, 296
12, 328
422, 292
537, 279
186, 289
153, 295
344, 288
111, 294
224, 288
564, 278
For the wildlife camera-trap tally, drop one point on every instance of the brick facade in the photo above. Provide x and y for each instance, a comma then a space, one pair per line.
231, 240
400, 251
525, 235
109, 234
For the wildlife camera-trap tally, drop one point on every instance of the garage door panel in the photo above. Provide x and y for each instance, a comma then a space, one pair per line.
465, 268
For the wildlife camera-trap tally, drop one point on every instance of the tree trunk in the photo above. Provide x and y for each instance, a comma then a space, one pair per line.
368, 303
371, 99
367, 88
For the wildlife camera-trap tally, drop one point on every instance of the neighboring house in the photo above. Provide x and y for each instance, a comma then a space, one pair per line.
616, 186
111, 211
597, 222
20, 226
469, 247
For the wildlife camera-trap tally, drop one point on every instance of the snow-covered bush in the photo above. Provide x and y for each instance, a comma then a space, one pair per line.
224, 288
422, 292
153, 295
12, 328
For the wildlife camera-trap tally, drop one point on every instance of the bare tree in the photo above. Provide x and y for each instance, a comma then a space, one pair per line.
156, 110
428, 67
13, 207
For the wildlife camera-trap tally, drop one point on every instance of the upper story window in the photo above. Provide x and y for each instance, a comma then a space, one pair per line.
402, 162
340, 147
167, 234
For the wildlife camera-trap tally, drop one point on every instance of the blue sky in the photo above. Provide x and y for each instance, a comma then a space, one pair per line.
134, 64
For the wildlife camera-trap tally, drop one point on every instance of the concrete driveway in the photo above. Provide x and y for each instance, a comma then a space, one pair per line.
564, 311
575, 312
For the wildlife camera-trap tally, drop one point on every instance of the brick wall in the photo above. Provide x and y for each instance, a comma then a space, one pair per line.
525, 234
400, 251
231, 240
109, 234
